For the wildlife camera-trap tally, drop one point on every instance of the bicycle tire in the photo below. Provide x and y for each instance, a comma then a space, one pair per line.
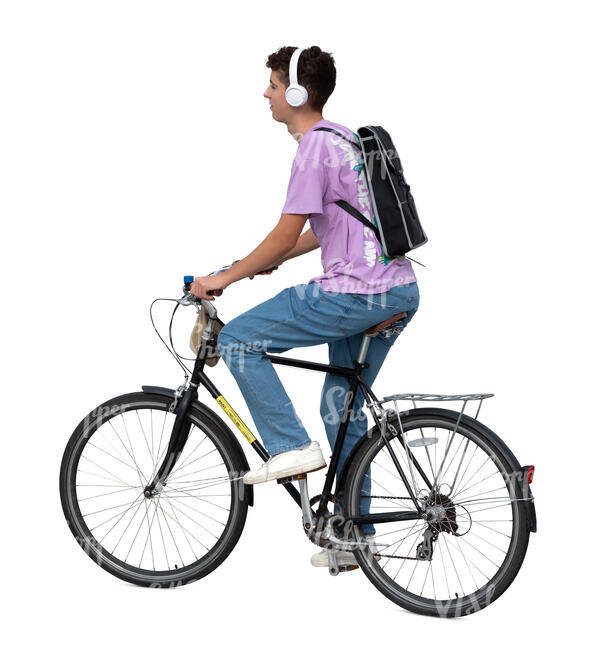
375, 565
232, 462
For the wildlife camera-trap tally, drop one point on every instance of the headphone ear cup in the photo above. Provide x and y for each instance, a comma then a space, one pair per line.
296, 95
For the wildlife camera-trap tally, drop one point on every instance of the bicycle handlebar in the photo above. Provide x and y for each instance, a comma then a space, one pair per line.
188, 297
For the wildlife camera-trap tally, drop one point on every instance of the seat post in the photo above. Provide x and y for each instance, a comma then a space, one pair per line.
363, 351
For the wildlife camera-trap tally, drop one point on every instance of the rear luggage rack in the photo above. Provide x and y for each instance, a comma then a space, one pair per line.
386, 414
426, 397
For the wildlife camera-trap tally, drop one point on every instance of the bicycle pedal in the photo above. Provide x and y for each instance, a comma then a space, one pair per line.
289, 479
334, 569
350, 567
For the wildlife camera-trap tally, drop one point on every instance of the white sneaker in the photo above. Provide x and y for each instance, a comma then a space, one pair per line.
296, 461
343, 558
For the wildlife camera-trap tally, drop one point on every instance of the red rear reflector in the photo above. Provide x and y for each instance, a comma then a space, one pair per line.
530, 473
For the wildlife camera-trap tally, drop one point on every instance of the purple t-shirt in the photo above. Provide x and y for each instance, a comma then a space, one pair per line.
326, 169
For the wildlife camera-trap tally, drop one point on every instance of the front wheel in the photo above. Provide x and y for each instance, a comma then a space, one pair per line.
468, 545
174, 537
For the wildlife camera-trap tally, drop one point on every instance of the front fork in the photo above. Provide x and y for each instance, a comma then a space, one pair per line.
182, 403
176, 444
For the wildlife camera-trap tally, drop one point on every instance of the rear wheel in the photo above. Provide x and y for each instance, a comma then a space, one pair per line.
172, 538
468, 546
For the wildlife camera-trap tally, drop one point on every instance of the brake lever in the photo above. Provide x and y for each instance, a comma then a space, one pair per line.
189, 299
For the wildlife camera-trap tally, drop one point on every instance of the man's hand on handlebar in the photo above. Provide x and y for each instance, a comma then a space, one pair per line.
208, 283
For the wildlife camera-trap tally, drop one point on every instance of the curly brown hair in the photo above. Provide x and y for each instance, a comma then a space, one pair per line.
316, 72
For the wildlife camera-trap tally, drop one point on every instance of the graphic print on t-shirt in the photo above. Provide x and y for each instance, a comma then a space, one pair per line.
353, 158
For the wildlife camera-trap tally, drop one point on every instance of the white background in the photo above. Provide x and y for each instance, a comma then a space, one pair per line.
136, 147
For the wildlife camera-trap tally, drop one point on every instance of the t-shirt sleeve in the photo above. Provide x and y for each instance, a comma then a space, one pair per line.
306, 187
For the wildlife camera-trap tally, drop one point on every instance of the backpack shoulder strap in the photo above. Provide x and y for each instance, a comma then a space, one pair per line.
355, 213
325, 128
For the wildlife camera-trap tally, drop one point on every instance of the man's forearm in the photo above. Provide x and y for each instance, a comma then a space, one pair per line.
306, 243
264, 256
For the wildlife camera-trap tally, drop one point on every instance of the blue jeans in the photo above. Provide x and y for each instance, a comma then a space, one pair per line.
301, 316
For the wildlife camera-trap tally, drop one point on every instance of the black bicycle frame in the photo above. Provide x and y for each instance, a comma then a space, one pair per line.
180, 430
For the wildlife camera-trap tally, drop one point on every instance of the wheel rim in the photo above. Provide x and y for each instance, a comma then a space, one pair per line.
467, 562
170, 533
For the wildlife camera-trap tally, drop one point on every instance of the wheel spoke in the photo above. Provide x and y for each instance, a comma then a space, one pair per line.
119, 514
471, 485
198, 471
131, 455
182, 528
147, 506
141, 475
199, 498
161, 535
184, 460
150, 450
161, 438
175, 506
148, 539
104, 469
172, 535
105, 494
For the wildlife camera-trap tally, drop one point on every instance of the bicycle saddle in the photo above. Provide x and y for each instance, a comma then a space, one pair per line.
386, 323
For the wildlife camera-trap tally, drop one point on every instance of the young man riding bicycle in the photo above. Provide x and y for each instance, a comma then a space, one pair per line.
359, 287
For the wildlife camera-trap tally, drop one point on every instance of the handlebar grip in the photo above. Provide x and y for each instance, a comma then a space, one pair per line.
187, 280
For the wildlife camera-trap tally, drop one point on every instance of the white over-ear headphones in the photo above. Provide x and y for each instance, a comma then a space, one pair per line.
295, 94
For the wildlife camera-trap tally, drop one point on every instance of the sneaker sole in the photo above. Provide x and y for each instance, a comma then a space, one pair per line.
296, 469
342, 560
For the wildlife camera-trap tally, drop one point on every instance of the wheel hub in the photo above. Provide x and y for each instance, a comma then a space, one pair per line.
435, 514
440, 513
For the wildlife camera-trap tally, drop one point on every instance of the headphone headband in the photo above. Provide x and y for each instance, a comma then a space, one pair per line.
293, 65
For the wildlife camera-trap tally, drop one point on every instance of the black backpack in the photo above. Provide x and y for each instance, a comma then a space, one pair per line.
395, 219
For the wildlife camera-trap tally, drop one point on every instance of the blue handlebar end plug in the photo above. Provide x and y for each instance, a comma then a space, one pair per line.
188, 279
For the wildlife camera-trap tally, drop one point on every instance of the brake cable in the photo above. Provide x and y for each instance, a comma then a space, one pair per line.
172, 351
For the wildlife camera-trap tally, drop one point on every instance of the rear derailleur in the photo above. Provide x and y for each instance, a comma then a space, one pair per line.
425, 549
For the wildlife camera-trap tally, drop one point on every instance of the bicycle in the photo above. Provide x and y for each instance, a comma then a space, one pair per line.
151, 488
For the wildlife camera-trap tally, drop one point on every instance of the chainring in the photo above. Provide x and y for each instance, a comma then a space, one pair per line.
320, 526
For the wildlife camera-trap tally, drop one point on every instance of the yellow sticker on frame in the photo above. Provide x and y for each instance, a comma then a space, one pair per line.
242, 427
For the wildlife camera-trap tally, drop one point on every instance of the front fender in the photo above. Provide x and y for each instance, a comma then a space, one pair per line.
209, 413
